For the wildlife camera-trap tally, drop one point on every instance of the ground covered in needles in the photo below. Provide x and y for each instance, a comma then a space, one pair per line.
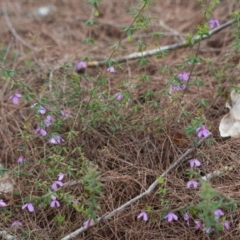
80, 140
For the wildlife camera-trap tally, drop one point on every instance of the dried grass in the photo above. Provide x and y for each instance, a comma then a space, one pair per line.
131, 159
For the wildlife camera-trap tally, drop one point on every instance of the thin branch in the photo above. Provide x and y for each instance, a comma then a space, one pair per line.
147, 192
149, 53
13, 31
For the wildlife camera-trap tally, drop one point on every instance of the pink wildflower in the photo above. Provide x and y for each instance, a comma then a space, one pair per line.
88, 223
15, 98
171, 216
192, 183
20, 159
54, 202
143, 215
111, 70
56, 184
16, 224
194, 162
2, 203
213, 23
29, 206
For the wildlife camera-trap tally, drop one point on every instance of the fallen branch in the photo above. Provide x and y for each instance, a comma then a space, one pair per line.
159, 50
147, 192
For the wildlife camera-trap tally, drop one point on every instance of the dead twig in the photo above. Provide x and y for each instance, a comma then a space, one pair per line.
149, 53
147, 192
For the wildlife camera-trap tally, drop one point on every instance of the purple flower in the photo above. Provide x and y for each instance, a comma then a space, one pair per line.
88, 223
29, 206
171, 216
48, 120
65, 114
40, 109
15, 98
178, 88
192, 183
54, 202
194, 162
20, 159
16, 224
183, 76
55, 139
213, 23
218, 213
56, 184
111, 70
198, 224
202, 131
2, 203
226, 225
81, 64
41, 131
143, 215
186, 218
118, 96
61, 176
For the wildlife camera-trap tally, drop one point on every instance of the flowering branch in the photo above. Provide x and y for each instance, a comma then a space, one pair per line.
149, 53
147, 192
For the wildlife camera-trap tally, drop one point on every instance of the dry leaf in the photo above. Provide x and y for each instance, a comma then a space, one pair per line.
230, 123
225, 125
